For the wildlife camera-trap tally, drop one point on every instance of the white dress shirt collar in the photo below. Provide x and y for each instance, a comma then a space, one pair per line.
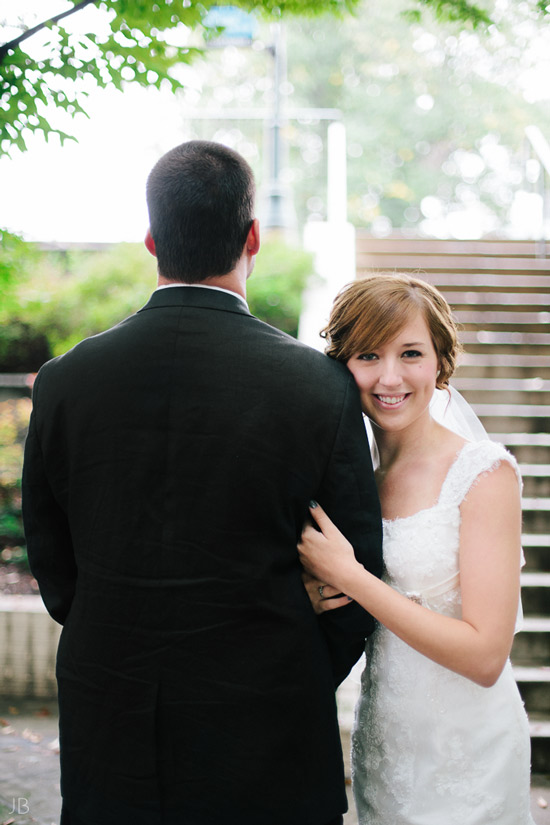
205, 286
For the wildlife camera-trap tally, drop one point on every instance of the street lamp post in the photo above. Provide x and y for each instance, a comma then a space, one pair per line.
277, 208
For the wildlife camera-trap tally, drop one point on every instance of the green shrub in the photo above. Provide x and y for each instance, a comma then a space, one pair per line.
74, 294
14, 421
276, 286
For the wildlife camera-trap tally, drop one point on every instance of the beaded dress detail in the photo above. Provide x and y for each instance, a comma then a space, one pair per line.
429, 746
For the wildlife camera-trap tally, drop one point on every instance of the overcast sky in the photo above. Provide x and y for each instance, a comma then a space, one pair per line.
93, 190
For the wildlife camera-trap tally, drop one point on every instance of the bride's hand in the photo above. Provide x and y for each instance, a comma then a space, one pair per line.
323, 596
326, 555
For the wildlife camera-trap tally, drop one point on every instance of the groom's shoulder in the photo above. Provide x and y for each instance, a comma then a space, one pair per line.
301, 355
88, 351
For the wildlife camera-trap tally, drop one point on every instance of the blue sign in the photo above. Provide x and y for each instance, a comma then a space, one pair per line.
237, 25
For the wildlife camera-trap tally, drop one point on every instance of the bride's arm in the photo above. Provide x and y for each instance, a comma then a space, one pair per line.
475, 646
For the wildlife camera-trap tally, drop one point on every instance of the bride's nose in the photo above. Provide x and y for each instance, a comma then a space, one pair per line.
390, 373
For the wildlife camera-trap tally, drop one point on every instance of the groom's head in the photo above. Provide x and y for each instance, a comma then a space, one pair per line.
200, 197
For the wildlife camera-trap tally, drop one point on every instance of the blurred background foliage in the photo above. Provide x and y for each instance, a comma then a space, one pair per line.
16, 261
435, 113
14, 419
69, 295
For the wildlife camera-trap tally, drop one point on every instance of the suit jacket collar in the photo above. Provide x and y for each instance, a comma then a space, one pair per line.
190, 296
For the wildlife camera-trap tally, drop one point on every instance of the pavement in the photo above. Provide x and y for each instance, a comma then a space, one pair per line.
29, 762
29, 767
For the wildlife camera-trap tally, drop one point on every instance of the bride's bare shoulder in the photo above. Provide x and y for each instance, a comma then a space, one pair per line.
414, 482
448, 444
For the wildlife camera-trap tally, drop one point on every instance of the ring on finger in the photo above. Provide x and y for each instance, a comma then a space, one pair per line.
321, 589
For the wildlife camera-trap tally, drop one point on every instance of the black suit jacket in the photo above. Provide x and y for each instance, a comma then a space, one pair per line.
168, 470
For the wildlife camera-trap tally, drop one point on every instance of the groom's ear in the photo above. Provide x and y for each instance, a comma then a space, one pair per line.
150, 244
253, 238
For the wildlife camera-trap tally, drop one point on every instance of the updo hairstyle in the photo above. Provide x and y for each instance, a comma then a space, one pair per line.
371, 311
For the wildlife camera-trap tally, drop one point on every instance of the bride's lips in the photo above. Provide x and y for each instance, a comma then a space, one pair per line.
391, 402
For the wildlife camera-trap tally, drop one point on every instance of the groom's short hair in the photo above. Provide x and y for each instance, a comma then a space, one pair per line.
200, 197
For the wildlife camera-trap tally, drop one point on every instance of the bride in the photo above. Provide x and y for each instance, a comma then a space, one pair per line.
441, 735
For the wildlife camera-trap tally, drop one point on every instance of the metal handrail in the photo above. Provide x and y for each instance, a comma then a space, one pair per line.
541, 149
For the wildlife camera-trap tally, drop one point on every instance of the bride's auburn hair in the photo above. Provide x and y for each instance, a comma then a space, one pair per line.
369, 312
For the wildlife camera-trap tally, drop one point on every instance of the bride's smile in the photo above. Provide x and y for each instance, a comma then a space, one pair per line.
391, 400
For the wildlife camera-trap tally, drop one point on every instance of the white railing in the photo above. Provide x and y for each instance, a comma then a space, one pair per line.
539, 153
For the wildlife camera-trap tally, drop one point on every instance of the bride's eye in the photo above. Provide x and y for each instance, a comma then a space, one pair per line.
412, 353
367, 356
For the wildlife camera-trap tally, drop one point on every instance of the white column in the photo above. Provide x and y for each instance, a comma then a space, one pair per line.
337, 184
332, 243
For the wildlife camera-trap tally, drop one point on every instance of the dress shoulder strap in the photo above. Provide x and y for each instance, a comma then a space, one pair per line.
475, 459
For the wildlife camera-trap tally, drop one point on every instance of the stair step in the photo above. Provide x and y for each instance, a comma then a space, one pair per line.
498, 299
516, 369
496, 359
535, 470
532, 644
537, 559
533, 675
534, 686
535, 540
500, 371
537, 552
536, 624
402, 244
509, 399
501, 425
484, 319
529, 448
535, 521
485, 336
535, 593
512, 410
476, 272
535, 504
535, 580
539, 728
522, 439
514, 392
536, 479
501, 384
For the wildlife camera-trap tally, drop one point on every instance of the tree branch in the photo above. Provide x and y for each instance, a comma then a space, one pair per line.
13, 44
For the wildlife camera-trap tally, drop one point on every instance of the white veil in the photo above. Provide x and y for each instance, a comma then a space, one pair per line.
450, 409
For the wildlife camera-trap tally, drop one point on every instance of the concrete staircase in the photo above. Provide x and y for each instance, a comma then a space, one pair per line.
500, 294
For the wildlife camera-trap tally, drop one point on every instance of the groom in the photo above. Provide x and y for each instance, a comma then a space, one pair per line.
168, 470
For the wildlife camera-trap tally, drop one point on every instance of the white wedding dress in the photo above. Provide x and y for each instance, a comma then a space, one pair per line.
430, 747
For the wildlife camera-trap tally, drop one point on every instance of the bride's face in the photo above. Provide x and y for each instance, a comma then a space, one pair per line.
397, 381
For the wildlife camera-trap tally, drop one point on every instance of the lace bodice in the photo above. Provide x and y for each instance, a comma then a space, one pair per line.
430, 746
428, 570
